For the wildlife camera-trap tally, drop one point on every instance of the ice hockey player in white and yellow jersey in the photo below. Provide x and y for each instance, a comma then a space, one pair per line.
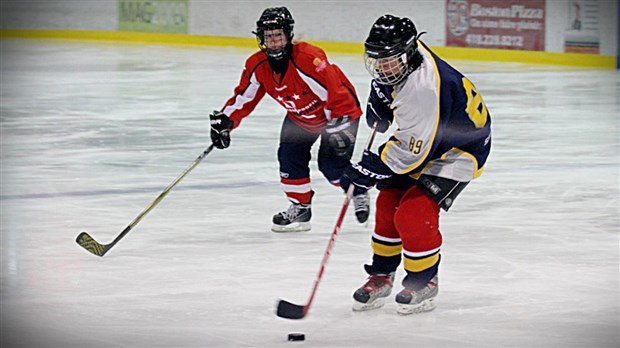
441, 143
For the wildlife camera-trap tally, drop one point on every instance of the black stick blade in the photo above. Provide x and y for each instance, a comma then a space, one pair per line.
290, 310
91, 245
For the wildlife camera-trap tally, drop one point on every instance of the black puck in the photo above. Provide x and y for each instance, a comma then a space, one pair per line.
296, 337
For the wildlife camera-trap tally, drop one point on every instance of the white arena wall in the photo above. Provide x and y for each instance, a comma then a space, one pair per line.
334, 21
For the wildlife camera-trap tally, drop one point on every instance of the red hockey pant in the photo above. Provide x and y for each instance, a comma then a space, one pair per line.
413, 218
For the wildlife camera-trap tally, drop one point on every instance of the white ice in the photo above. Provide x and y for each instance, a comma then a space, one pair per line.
91, 133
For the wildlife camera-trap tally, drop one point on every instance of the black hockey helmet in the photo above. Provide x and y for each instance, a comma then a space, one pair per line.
391, 49
275, 18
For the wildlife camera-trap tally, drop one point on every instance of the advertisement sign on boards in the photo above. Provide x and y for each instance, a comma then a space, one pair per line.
504, 24
159, 16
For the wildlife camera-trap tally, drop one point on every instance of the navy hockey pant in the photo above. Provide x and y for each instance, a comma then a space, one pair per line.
294, 154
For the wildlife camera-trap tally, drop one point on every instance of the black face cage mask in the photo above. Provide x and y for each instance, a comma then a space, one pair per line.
279, 53
392, 68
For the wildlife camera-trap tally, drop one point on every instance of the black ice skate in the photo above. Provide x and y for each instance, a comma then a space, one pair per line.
372, 294
361, 203
411, 301
295, 219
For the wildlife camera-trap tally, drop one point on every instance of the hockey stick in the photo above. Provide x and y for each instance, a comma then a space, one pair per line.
290, 310
87, 242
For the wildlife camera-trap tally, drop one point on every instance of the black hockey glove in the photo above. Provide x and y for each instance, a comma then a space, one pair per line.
221, 126
378, 108
341, 136
365, 174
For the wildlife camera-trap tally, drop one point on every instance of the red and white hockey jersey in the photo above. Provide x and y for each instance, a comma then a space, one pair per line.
312, 90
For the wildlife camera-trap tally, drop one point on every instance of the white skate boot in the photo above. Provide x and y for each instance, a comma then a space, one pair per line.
295, 219
373, 293
410, 301
361, 204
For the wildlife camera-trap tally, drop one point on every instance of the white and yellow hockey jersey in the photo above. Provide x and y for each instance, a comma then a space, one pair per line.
444, 127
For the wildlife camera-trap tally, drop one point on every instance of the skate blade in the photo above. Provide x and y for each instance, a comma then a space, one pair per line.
361, 307
424, 306
294, 227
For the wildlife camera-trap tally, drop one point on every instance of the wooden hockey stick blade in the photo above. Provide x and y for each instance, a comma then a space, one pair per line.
290, 310
87, 242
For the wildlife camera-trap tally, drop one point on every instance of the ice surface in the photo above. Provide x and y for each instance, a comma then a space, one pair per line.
91, 133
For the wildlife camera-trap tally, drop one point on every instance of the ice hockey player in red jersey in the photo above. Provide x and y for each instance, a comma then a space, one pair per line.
320, 102
442, 143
